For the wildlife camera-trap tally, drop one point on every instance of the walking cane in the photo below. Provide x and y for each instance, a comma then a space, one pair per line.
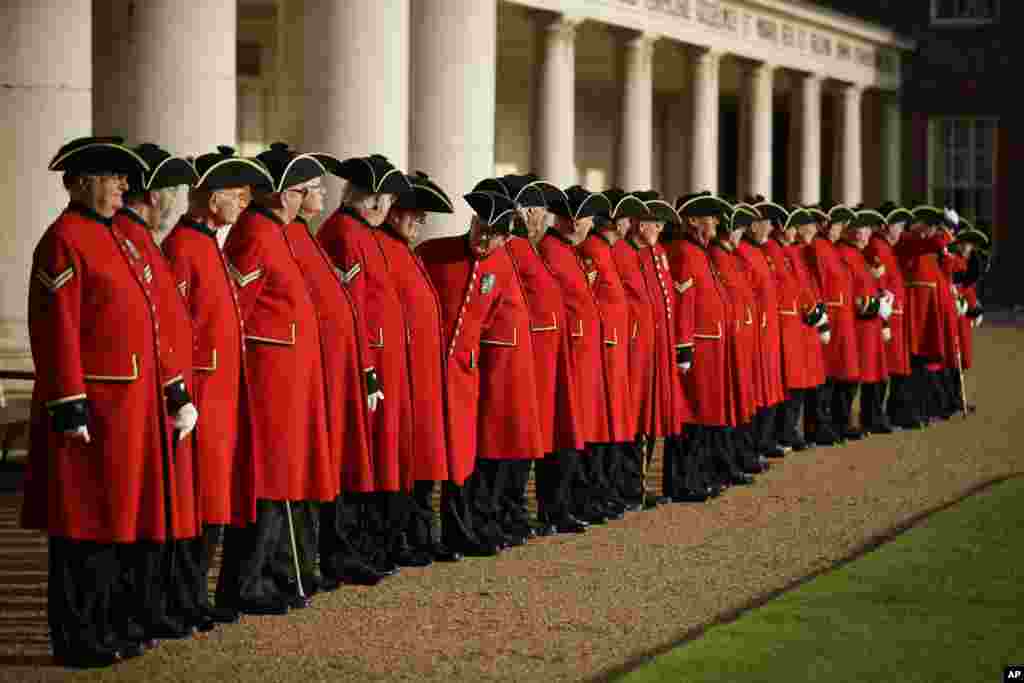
963, 389
295, 552
643, 472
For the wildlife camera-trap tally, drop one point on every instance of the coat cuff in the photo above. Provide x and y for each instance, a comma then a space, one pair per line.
66, 416
176, 395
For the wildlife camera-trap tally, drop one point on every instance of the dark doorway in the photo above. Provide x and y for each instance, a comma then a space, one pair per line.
728, 146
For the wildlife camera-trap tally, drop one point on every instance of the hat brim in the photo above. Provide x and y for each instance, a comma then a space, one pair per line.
799, 218
772, 212
698, 207
629, 206
100, 157
899, 216
171, 172
235, 172
534, 194
660, 211
360, 172
301, 169
929, 215
867, 219
425, 197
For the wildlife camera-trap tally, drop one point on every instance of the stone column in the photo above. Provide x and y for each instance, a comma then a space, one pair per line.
556, 151
759, 129
892, 148
704, 139
676, 152
850, 149
635, 155
46, 71
166, 73
355, 55
454, 81
810, 144
288, 100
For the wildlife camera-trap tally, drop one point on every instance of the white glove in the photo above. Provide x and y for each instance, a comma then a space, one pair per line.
977, 321
685, 367
961, 306
886, 335
885, 308
878, 272
825, 336
373, 399
952, 217
79, 434
823, 321
185, 420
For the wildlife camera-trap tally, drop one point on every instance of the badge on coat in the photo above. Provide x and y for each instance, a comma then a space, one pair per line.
592, 277
130, 246
487, 283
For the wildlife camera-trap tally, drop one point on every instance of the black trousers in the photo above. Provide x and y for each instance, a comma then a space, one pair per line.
304, 522
78, 605
902, 406
341, 536
818, 413
843, 394
872, 400
746, 449
764, 432
246, 574
590, 487
788, 418
513, 513
457, 516
921, 387
627, 484
483, 489
555, 473
954, 396
419, 530
385, 517
722, 452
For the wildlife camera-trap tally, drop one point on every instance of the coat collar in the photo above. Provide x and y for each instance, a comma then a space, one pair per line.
349, 211
131, 215
189, 222
264, 211
86, 212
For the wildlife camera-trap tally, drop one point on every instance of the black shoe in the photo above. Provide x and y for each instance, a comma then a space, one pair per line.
264, 607
221, 615
477, 549
881, 429
356, 572
651, 502
165, 628
690, 497
513, 540
297, 601
853, 434
546, 530
126, 648
408, 557
442, 553
384, 566
775, 452
96, 657
201, 623
740, 479
613, 512
570, 525
329, 584
592, 517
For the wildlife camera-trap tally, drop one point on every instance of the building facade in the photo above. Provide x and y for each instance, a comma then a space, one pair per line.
792, 100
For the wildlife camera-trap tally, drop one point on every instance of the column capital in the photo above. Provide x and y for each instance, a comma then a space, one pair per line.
644, 41
563, 28
851, 90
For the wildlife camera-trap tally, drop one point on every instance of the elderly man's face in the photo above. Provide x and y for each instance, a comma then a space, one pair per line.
406, 222
535, 218
104, 192
313, 201
760, 230
835, 230
484, 240
807, 232
703, 227
858, 236
649, 232
893, 231
226, 206
623, 226
375, 209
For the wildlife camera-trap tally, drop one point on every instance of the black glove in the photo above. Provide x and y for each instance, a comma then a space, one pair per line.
814, 316
684, 356
975, 312
869, 309
69, 416
176, 396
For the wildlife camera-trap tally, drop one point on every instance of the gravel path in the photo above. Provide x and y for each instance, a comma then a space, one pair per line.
577, 608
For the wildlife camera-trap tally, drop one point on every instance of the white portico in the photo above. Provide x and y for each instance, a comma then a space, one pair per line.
773, 97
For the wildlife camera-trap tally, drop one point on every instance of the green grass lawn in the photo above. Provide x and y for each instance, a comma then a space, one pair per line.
943, 602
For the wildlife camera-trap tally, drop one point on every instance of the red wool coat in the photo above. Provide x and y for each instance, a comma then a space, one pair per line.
951, 263
508, 424
793, 338
672, 410
222, 441
283, 363
870, 344
703, 312
94, 326
344, 352
809, 298
426, 356
642, 338
468, 304
558, 407
584, 323
970, 294
763, 280
353, 247
616, 331
842, 360
880, 254
928, 296
746, 365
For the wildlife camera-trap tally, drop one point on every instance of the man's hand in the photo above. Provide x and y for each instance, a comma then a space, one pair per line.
374, 394
185, 420
977, 321
825, 336
886, 335
78, 434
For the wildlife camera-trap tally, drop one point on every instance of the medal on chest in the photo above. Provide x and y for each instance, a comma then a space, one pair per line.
487, 283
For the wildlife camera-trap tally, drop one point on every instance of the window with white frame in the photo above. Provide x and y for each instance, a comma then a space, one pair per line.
963, 168
964, 12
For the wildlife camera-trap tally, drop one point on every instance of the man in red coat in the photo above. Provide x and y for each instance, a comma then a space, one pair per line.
107, 403
901, 409
463, 273
291, 458
347, 376
705, 309
557, 399
873, 306
842, 362
349, 238
421, 307
969, 246
161, 588
202, 279
574, 210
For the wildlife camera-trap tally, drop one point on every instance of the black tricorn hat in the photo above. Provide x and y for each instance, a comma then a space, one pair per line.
424, 195
624, 204
817, 213
898, 215
773, 212
88, 155
577, 203
527, 190
701, 204
798, 217
165, 170
646, 195
494, 210
841, 214
660, 211
373, 173
975, 237
495, 185
744, 215
289, 168
867, 218
222, 169
929, 215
